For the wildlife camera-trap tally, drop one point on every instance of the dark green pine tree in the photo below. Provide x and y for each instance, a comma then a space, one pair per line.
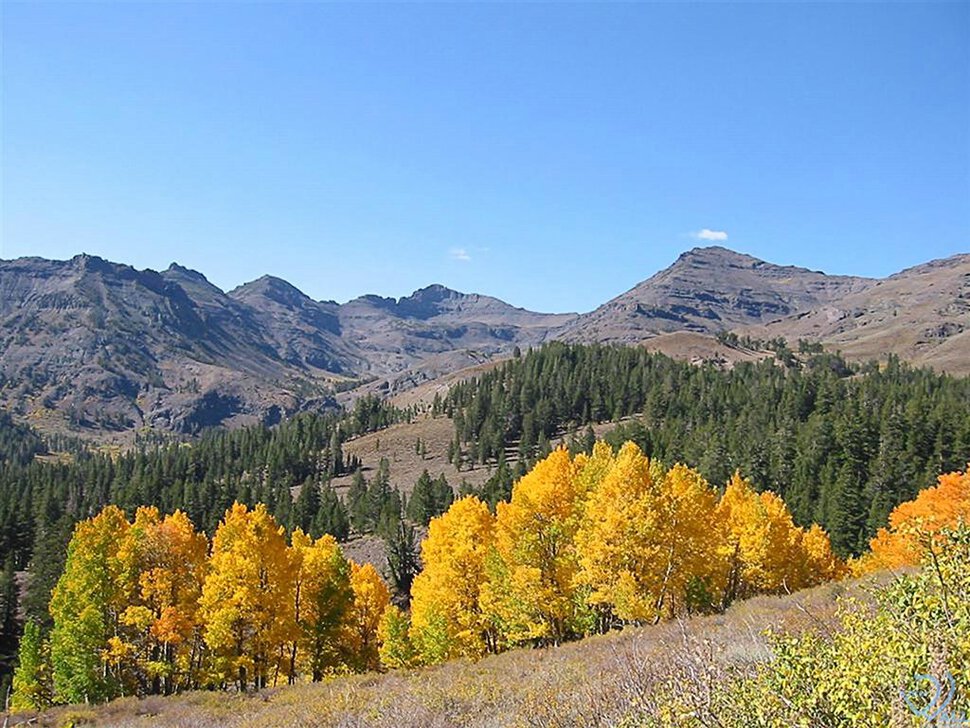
848, 513
45, 569
359, 504
9, 623
403, 562
421, 502
306, 506
389, 513
331, 517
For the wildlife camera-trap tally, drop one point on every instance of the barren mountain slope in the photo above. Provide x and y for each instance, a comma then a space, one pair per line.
709, 290
922, 314
441, 326
104, 349
104, 346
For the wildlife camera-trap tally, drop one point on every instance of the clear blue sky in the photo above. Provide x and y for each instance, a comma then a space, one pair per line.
550, 154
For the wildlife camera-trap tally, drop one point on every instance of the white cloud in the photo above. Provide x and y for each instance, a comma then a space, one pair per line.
712, 235
459, 254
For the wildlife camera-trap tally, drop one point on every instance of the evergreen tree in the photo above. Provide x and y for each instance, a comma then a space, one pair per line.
9, 623
331, 517
403, 562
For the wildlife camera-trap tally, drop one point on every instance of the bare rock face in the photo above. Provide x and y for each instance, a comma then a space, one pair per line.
87, 344
708, 290
921, 314
95, 346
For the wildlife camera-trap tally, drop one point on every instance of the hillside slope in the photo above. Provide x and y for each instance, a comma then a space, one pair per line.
707, 290
921, 314
596, 681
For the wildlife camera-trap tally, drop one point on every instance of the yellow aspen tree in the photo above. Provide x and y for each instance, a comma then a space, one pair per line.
591, 469
322, 599
446, 617
530, 594
761, 547
690, 543
169, 558
621, 540
818, 562
247, 598
371, 597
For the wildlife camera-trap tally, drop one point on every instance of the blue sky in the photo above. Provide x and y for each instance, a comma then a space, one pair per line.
550, 154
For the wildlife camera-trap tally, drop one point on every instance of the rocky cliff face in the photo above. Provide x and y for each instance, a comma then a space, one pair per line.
709, 290
921, 314
87, 344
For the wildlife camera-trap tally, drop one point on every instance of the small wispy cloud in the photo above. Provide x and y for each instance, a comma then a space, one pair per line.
459, 254
711, 235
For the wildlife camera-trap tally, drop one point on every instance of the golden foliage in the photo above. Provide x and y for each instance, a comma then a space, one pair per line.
247, 596
529, 593
446, 617
913, 522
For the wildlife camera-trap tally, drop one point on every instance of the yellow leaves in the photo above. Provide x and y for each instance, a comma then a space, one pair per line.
117, 651
139, 617
617, 534
915, 523
764, 550
820, 563
248, 591
529, 590
371, 598
645, 536
145, 607
446, 617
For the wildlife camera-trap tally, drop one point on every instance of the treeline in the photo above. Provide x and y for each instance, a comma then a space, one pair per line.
203, 478
842, 444
593, 542
150, 606
585, 544
18, 443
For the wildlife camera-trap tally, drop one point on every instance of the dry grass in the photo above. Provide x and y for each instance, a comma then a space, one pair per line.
599, 681
396, 443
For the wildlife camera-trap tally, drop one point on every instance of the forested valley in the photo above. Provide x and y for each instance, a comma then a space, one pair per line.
835, 444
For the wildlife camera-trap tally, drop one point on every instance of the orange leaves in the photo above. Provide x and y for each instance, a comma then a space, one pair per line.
913, 522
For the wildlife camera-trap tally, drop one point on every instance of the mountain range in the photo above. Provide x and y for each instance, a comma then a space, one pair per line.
94, 346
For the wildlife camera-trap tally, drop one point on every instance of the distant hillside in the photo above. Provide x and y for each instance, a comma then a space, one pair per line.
87, 344
922, 314
92, 346
597, 681
708, 290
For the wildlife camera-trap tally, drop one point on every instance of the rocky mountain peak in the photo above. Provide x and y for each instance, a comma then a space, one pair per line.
273, 288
